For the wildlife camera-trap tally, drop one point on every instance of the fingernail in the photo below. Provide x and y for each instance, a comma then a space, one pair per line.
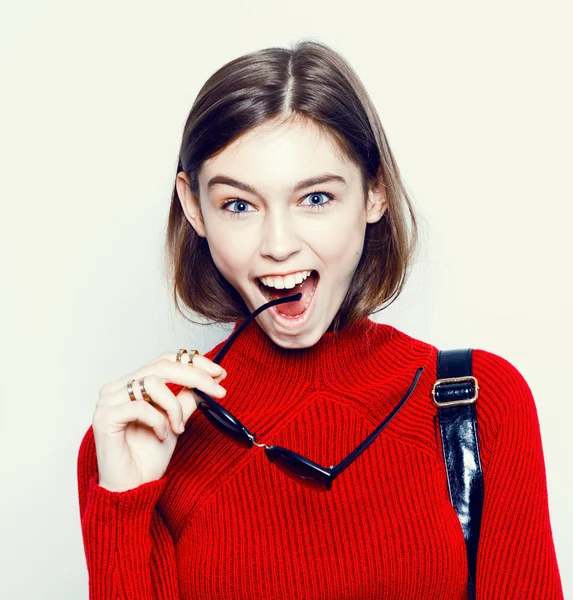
181, 427
221, 389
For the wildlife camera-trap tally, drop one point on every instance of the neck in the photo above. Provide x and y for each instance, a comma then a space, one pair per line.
350, 342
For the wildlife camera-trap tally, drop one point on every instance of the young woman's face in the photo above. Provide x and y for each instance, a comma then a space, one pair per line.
263, 218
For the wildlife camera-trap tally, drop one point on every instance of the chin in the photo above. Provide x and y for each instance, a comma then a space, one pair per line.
294, 343
294, 340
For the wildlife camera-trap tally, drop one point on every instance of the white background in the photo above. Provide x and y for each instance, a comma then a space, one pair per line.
475, 99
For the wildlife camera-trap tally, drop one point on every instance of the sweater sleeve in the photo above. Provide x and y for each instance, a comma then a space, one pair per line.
129, 550
516, 552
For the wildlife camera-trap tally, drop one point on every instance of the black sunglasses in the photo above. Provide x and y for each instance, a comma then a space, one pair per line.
303, 470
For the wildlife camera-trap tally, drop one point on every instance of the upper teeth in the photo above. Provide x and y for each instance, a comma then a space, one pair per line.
288, 281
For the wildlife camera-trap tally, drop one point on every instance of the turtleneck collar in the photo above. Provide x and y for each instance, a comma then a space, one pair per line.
334, 351
368, 364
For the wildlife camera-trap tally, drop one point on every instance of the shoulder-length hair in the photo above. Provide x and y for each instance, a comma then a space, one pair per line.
309, 81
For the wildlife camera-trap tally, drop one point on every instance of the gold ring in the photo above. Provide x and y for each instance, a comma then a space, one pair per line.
144, 393
190, 355
130, 390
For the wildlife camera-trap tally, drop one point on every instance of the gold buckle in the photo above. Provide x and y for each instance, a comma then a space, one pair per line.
455, 402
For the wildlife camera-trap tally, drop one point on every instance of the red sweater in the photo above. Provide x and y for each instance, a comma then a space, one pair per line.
226, 523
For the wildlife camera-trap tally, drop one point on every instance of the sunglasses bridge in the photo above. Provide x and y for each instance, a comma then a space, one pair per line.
252, 438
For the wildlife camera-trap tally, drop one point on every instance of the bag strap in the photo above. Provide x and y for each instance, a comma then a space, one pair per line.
455, 393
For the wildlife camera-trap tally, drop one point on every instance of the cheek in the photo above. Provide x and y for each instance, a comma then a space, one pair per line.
341, 244
230, 253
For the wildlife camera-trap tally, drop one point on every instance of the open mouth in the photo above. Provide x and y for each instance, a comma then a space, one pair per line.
296, 308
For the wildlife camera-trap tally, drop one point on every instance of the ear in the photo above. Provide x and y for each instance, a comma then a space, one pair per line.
190, 203
377, 203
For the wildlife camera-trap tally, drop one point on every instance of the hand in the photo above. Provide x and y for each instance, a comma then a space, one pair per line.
135, 440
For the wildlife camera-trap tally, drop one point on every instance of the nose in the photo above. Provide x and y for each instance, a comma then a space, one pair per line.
280, 238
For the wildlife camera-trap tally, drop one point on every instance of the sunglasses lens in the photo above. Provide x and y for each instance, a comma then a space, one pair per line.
226, 424
300, 469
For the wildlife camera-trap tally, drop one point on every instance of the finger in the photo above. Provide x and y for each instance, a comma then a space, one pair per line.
166, 401
194, 360
175, 407
199, 361
161, 397
173, 372
221, 377
178, 389
110, 420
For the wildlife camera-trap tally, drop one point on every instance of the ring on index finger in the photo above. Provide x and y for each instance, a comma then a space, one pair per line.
190, 355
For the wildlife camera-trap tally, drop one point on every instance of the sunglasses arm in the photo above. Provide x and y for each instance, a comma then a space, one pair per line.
337, 469
219, 356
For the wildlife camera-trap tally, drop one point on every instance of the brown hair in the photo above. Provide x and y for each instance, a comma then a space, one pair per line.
309, 81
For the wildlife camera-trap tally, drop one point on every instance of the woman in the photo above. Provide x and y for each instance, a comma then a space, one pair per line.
288, 197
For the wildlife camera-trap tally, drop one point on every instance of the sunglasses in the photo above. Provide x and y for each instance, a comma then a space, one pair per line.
295, 466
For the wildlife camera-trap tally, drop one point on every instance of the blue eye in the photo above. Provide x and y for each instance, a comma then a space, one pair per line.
242, 205
314, 195
237, 203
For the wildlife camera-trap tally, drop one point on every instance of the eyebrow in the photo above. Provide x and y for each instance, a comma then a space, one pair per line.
301, 185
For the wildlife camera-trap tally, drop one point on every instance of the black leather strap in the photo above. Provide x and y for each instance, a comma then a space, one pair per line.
458, 428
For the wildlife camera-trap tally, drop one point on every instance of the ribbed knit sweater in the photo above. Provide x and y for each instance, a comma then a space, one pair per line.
224, 522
